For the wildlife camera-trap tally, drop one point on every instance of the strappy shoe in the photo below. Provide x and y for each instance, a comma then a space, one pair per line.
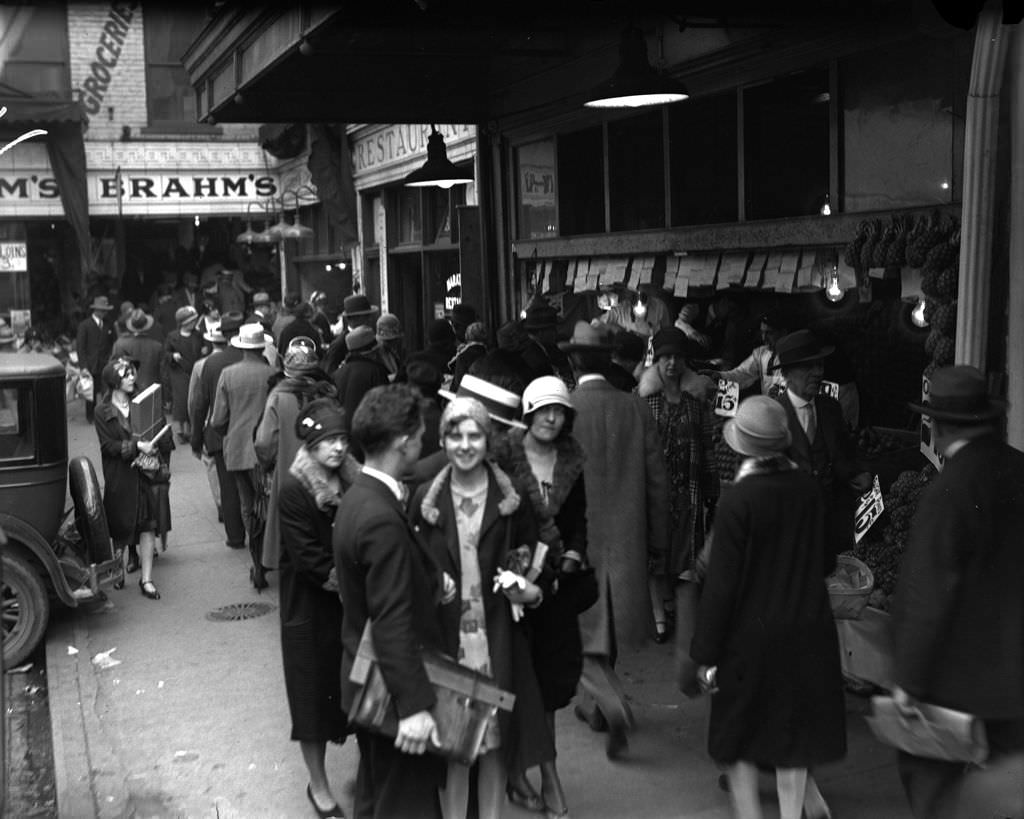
150, 592
526, 799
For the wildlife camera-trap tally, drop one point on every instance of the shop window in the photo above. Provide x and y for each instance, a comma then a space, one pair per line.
581, 182
636, 172
536, 189
439, 218
38, 59
903, 109
786, 146
170, 30
374, 226
410, 225
703, 172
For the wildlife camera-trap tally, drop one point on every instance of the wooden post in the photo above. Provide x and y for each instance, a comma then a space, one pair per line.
1015, 325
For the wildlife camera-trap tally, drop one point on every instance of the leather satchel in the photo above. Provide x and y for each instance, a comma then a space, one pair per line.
929, 731
466, 701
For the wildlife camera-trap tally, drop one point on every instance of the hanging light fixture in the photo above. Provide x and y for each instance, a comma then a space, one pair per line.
275, 233
438, 171
296, 230
833, 290
249, 236
635, 83
917, 314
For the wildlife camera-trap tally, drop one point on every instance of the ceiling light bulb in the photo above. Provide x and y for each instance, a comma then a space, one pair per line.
826, 209
917, 315
639, 309
834, 293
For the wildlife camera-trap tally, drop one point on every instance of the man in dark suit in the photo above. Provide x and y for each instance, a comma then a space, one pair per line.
205, 436
94, 341
386, 577
821, 443
959, 609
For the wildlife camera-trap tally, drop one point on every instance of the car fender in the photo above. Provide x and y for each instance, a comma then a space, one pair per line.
20, 534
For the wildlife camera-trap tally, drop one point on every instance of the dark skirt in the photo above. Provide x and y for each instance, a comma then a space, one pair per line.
153, 511
311, 649
557, 649
179, 395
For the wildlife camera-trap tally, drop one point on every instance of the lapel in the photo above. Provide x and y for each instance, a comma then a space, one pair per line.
801, 446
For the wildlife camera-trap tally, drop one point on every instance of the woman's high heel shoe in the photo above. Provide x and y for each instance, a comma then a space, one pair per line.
149, 592
526, 799
660, 631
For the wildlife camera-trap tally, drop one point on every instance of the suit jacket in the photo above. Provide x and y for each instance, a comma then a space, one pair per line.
832, 459
386, 575
624, 461
94, 344
237, 408
201, 400
958, 614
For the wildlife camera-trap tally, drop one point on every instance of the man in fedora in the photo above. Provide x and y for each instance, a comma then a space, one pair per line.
237, 407
625, 538
205, 437
958, 613
94, 341
213, 340
821, 443
141, 346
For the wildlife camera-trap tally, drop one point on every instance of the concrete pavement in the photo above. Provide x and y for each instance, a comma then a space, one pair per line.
193, 721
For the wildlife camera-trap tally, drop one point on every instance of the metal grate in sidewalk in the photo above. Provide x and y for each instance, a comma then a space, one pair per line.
239, 611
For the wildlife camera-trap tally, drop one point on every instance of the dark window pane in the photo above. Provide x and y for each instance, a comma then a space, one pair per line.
169, 32
702, 158
903, 120
636, 172
581, 182
170, 96
38, 59
786, 146
410, 229
535, 167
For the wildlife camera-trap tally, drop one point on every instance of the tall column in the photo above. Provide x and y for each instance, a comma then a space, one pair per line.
990, 46
1015, 327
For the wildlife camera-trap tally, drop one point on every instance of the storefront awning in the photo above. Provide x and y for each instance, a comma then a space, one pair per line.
26, 111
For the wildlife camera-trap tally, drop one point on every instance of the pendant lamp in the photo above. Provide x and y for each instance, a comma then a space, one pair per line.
635, 84
438, 170
296, 230
250, 236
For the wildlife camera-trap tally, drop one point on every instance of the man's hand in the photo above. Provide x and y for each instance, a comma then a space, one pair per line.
904, 703
415, 731
861, 483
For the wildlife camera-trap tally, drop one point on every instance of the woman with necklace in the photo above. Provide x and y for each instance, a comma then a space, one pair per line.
130, 498
679, 399
475, 524
546, 465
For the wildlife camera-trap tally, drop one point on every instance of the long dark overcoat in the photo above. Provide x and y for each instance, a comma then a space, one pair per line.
310, 615
764, 619
179, 372
525, 738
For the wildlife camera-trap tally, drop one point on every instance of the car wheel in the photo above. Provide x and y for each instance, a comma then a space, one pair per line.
26, 609
90, 516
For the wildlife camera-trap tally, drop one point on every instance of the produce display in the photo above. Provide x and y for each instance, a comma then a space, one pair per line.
872, 441
883, 556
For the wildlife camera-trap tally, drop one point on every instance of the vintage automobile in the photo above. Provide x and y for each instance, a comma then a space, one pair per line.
53, 551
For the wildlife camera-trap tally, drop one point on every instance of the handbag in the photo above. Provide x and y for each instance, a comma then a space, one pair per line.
580, 587
929, 731
152, 467
466, 701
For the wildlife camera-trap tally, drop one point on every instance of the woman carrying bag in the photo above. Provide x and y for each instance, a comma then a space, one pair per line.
546, 465
135, 474
476, 526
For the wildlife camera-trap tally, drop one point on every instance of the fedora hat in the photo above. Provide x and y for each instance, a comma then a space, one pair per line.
358, 305
388, 327
139, 321
231, 322
213, 333
250, 337
502, 405
800, 347
360, 340
587, 337
101, 303
759, 429
960, 394
540, 314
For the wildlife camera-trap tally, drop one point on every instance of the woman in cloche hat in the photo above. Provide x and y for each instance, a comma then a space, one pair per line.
182, 349
765, 640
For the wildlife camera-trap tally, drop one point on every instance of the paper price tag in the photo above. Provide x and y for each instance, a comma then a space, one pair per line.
830, 389
727, 399
869, 508
927, 439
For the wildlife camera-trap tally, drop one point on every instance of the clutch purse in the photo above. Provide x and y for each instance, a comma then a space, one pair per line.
929, 731
466, 701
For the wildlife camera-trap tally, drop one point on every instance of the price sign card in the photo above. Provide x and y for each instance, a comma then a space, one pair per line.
927, 438
829, 388
727, 398
869, 509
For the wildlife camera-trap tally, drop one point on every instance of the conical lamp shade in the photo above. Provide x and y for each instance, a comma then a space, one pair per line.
275, 233
298, 230
635, 84
250, 236
438, 170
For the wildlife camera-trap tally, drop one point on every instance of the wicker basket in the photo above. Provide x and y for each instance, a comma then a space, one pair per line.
849, 587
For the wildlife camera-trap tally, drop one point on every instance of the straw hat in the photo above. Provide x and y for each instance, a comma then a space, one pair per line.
250, 337
587, 337
960, 394
139, 321
502, 405
213, 333
759, 429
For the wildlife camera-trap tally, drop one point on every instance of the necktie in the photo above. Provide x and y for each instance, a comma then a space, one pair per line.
807, 421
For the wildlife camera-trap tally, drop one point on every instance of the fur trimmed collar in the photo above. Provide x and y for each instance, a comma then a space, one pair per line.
568, 467
325, 487
770, 465
506, 506
699, 386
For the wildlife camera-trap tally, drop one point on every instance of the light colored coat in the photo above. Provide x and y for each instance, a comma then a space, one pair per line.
241, 395
627, 512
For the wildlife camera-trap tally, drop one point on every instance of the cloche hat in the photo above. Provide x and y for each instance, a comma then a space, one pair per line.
759, 429
545, 391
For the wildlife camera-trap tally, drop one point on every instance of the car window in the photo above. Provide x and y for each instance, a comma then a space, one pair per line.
16, 440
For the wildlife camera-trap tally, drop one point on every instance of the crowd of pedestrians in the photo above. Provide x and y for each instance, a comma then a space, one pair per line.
529, 509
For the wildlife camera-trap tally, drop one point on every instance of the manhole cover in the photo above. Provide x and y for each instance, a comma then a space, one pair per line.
239, 611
